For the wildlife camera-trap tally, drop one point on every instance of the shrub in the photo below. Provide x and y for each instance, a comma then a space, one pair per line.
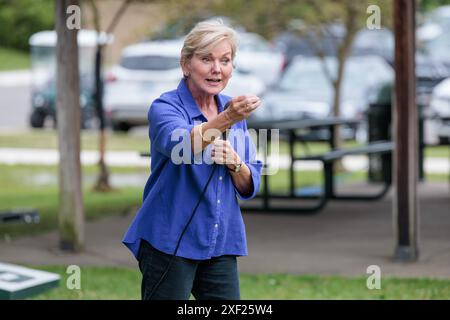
19, 19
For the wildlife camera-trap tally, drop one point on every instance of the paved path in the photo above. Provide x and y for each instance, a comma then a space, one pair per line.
343, 239
15, 78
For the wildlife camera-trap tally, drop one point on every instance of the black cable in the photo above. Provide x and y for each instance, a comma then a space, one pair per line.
155, 287
182, 234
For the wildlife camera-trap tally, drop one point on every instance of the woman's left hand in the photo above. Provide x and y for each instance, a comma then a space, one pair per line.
223, 153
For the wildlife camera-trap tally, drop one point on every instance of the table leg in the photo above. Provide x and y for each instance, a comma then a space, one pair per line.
330, 189
266, 180
331, 141
291, 167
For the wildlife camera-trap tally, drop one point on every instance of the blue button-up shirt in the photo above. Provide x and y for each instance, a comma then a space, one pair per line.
173, 188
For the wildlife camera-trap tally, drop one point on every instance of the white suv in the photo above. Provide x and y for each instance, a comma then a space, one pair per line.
440, 110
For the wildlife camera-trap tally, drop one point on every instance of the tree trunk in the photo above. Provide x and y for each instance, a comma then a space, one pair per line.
342, 53
102, 183
337, 140
71, 211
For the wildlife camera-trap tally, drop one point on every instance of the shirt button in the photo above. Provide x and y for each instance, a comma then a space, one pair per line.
216, 225
220, 178
218, 201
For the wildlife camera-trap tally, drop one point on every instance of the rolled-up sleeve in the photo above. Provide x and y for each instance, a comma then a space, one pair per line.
254, 165
168, 126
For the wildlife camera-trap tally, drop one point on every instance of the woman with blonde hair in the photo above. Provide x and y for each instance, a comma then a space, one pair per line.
189, 230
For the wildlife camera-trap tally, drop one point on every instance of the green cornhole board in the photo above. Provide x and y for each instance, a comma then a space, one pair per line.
18, 282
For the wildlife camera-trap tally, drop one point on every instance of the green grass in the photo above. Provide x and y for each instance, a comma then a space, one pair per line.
27, 186
11, 59
311, 147
124, 283
321, 147
279, 183
18, 190
437, 152
47, 139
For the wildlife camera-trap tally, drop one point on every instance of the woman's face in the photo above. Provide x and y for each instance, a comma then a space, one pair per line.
209, 73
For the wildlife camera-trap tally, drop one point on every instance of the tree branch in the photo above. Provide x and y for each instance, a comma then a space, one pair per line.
117, 16
94, 8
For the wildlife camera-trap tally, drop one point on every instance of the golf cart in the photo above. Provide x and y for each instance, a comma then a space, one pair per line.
43, 85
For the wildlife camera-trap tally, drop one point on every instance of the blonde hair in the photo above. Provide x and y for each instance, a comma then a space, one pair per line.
204, 36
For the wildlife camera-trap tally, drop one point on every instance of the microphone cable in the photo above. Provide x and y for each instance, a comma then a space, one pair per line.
163, 276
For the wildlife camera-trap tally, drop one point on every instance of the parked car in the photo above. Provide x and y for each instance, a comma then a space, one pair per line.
255, 55
292, 44
378, 42
148, 69
440, 15
440, 110
43, 67
429, 73
305, 84
304, 90
43, 104
438, 48
432, 36
366, 42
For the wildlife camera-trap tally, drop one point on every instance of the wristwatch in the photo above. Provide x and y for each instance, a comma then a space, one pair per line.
237, 167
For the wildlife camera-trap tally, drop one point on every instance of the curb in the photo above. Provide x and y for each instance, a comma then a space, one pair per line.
15, 78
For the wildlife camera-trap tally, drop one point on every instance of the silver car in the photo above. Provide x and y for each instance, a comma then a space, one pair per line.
440, 111
304, 91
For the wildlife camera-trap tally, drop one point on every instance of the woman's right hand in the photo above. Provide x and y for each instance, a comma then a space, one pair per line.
241, 107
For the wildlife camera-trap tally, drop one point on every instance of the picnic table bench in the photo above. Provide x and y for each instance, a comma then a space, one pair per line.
291, 127
19, 216
383, 148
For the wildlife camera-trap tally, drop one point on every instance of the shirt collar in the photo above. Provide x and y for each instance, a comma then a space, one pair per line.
189, 103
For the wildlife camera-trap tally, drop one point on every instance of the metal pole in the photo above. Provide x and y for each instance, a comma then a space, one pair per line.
405, 204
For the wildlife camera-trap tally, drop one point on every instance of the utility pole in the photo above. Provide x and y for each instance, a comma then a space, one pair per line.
405, 115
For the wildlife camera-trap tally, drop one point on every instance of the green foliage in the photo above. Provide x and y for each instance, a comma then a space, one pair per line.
48, 139
19, 19
268, 18
427, 5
